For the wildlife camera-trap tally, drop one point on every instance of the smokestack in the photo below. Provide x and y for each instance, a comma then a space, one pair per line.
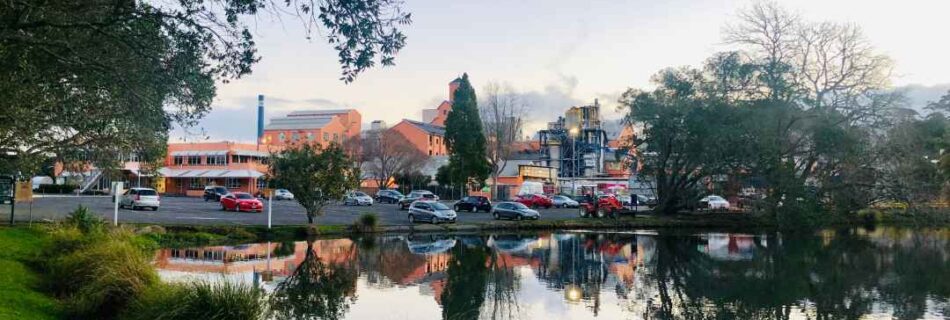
260, 118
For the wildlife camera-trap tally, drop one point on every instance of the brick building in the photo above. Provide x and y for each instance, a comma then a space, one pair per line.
427, 138
189, 167
314, 126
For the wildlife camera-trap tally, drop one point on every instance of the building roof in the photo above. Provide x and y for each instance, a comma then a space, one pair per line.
313, 113
428, 128
299, 122
199, 153
212, 173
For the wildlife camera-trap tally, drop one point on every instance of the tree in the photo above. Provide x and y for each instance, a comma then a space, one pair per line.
98, 78
387, 153
688, 135
315, 175
465, 139
501, 120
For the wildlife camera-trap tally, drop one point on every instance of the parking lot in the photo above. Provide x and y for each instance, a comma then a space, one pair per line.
183, 210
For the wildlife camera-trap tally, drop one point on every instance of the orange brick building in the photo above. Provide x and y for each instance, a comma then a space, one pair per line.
427, 138
438, 115
312, 126
189, 167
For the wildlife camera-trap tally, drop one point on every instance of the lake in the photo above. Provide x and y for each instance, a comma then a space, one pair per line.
573, 274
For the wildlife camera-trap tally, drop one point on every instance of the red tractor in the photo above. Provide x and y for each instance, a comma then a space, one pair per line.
603, 206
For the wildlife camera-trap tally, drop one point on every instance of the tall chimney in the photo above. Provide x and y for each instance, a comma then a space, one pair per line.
453, 86
260, 118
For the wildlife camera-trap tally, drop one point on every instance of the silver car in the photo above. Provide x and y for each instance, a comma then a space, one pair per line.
564, 202
139, 198
430, 211
513, 210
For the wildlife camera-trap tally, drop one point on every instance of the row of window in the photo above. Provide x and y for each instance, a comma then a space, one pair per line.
295, 137
230, 183
215, 160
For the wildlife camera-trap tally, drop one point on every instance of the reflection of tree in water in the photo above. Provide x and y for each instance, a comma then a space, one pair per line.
838, 277
316, 290
502, 285
464, 290
576, 266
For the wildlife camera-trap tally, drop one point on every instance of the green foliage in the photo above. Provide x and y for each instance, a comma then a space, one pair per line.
315, 175
198, 300
465, 140
97, 273
19, 283
93, 79
367, 222
84, 219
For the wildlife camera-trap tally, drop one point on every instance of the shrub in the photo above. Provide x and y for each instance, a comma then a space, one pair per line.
84, 219
57, 188
366, 223
201, 300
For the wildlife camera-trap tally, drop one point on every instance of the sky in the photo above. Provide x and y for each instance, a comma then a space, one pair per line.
555, 53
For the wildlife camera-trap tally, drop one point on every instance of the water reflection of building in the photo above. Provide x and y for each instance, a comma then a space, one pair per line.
728, 246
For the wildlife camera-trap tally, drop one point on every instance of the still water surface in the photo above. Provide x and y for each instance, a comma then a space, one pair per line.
842, 274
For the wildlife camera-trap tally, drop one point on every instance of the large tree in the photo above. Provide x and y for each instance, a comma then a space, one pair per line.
501, 119
387, 153
317, 176
465, 139
97, 78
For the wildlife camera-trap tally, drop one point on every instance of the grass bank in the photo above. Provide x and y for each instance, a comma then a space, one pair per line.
20, 285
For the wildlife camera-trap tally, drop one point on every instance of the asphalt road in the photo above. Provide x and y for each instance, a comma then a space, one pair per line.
195, 211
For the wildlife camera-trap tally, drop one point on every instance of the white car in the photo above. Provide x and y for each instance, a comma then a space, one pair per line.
139, 198
283, 194
714, 202
357, 198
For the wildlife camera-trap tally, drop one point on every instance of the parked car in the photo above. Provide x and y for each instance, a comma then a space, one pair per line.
600, 206
564, 202
713, 202
429, 244
535, 201
283, 194
473, 204
640, 203
241, 201
431, 211
388, 196
406, 201
215, 193
357, 198
138, 198
514, 211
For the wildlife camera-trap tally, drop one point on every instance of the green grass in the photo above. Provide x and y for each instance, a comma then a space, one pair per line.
20, 295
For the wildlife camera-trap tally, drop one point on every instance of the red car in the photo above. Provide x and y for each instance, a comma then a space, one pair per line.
241, 201
535, 201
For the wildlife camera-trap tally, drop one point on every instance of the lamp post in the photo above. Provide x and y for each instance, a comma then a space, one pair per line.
573, 133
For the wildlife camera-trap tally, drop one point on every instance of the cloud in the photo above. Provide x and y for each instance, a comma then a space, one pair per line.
918, 96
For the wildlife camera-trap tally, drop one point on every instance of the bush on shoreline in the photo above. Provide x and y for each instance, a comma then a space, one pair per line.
199, 300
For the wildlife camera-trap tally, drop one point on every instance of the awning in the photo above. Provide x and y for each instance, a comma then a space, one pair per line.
198, 173
199, 153
250, 153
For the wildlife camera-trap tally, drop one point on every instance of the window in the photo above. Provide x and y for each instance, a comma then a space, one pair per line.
437, 141
430, 152
282, 137
336, 137
178, 160
233, 183
309, 136
217, 160
295, 137
430, 140
326, 136
194, 160
235, 159
195, 183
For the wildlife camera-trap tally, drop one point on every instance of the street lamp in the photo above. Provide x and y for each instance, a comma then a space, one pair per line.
573, 133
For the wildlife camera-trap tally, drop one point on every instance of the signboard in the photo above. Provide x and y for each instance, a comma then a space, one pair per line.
6, 188
24, 191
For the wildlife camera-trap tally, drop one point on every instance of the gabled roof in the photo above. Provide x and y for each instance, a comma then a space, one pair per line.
428, 128
299, 123
317, 113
